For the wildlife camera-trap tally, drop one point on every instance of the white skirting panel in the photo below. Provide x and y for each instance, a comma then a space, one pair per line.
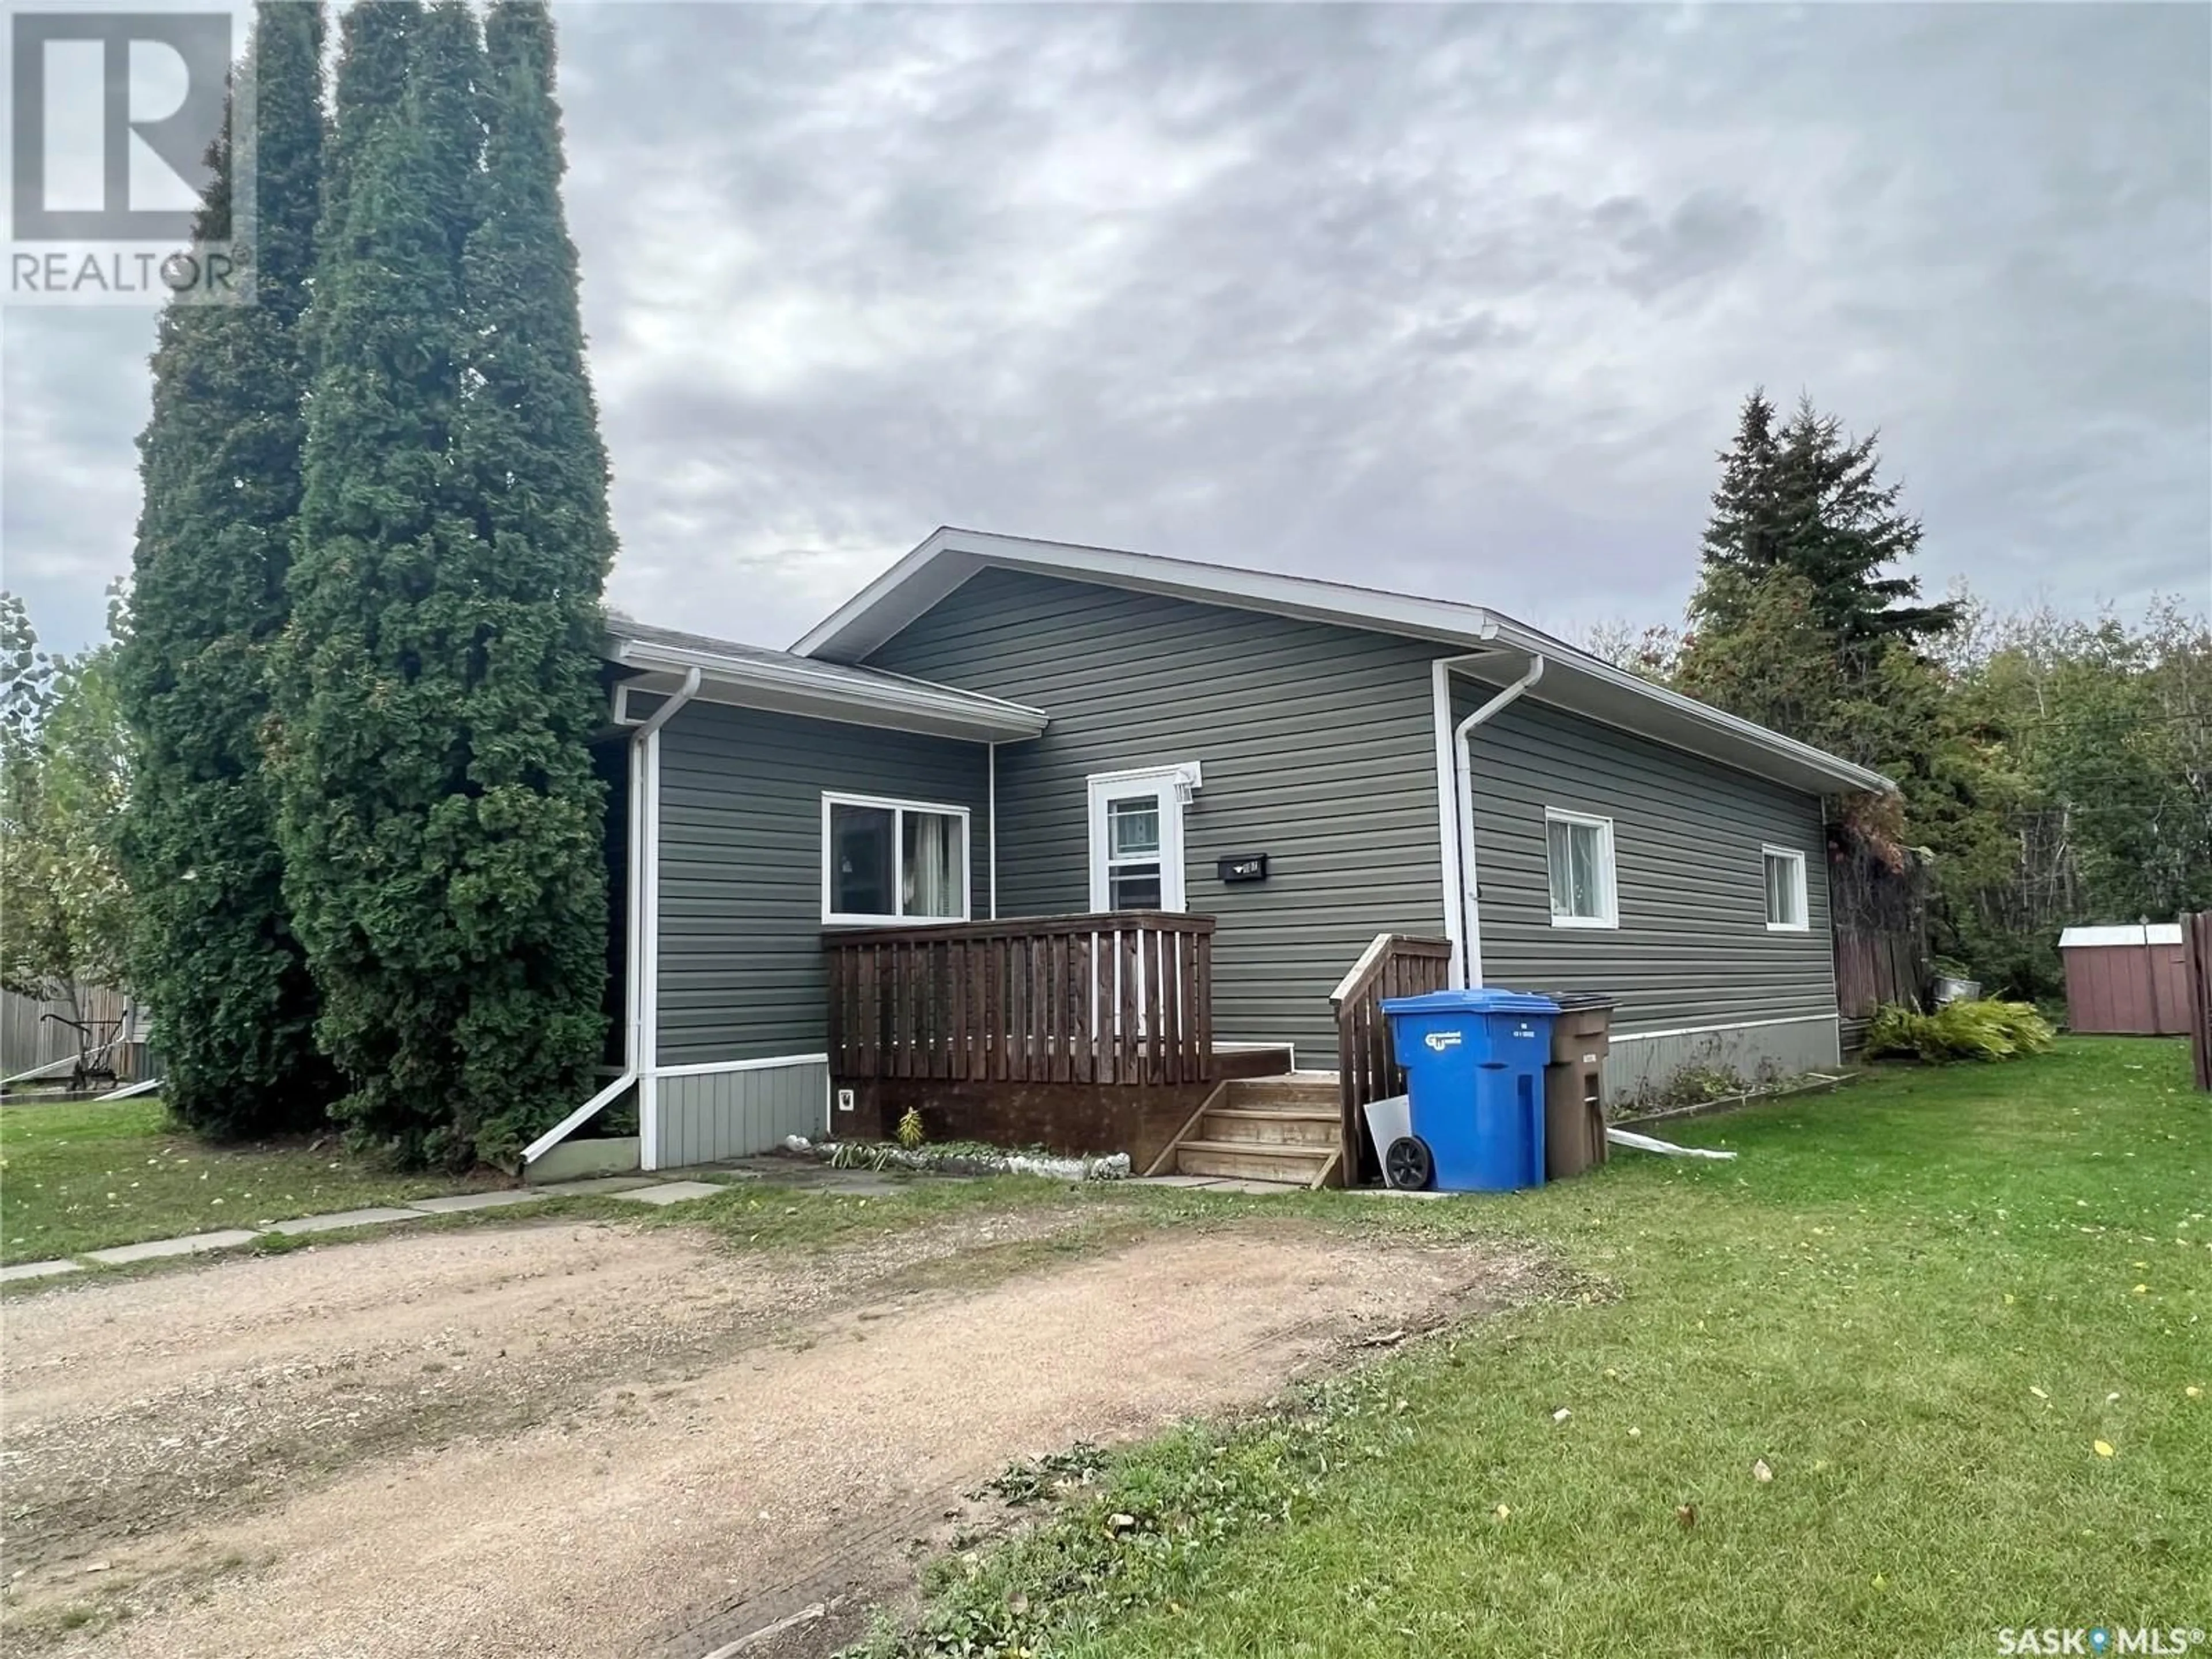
1644, 1067
706, 1115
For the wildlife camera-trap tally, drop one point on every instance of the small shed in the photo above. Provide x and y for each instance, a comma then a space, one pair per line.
2128, 979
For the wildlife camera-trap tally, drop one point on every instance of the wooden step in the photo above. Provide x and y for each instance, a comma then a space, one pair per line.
1319, 1090
1297, 1125
1249, 1160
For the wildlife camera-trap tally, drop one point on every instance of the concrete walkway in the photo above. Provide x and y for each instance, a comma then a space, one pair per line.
636, 1189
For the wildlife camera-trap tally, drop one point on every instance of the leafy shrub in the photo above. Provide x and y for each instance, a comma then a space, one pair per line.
1983, 1029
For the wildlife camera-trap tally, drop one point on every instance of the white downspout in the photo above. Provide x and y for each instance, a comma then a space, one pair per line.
1470, 942
991, 825
1448, 839
640, 972
645, 927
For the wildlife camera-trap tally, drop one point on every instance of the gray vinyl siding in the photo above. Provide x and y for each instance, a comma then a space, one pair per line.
713, 1115
740, 958
1317, 744
1693, 948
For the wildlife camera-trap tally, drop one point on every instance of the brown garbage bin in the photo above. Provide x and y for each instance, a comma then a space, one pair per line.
1574, 1084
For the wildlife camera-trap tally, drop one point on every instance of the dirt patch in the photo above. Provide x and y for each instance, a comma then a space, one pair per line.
726, 1444
134, 1406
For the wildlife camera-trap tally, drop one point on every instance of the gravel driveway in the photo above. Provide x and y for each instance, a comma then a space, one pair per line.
601, 1440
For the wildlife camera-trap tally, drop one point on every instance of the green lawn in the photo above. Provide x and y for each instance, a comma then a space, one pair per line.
80, 1178
1929, 1304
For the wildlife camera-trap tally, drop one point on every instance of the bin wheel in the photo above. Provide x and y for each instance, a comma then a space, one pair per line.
1407, 1165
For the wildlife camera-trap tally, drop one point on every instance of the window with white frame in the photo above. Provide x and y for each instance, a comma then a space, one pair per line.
1785, 891
893, 861
1579, 850
1136, 836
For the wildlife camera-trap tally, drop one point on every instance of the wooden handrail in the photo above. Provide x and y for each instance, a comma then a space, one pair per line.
1394, 965
1123, 998
1088, 921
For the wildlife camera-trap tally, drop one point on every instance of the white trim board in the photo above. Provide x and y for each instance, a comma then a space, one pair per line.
707, 1067
1619, 1037
752, 678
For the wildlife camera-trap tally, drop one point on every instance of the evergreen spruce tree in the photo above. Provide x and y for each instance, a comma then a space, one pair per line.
441, 824
1802, 620
214, 954
1807, 501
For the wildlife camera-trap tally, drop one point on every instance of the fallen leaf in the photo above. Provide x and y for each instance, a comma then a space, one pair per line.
1880, 1582
1760, 1473
1561, 1415
2037, 1392
2104, 1447
1502, 1513
1686, 1516
1637, 1434
2193, 1391
2140, 1290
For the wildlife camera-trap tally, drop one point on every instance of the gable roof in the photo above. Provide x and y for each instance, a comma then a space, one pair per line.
753, 676
1573, 679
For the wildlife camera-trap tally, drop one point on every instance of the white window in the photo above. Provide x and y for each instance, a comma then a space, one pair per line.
1785, 891
1136, 836
893, 861
1579, 850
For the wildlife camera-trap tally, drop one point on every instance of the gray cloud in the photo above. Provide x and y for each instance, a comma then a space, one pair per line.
1461, 301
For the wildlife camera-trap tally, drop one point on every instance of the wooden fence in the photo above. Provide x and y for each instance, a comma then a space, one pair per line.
1394, 965
1121, 998
2196, 958
28, 1039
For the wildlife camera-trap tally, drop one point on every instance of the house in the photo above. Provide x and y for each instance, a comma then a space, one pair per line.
1026, 824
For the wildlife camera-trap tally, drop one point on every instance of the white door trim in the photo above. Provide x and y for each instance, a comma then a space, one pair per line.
1171, 787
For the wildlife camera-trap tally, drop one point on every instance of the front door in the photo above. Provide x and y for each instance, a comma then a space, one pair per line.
1136, 838
1136, 858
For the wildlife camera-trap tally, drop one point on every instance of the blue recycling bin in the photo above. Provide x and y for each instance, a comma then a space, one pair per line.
1474, 1070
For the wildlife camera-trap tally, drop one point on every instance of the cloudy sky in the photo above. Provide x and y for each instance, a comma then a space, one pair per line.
1453, 300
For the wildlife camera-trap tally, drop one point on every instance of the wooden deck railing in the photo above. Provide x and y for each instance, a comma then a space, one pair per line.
1394, 965
1123, 997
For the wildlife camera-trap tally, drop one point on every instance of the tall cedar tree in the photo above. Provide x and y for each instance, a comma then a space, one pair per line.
441, 826
530, 453
213, 953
